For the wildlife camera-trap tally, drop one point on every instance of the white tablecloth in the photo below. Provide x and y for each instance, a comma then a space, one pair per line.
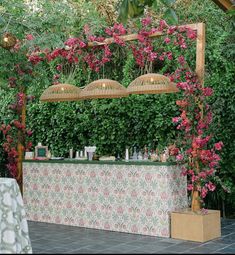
14, 236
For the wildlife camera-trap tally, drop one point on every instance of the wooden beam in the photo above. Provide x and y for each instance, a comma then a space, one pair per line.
200, 45
132, 37
20, 143
200, 52
225, 5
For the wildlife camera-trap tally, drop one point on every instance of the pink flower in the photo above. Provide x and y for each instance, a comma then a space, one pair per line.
210, 172
29, 132
12, 82
173, 151
35, 59
202, 141
190, 187
181, 60
210, 186
29, 37
219, 145
176, 119
182, 103
179, 157
56, 77
191, 34
59, 67
167, 40
29, 145
171, 30
72, 42
184, 172
169, 55
207, 91
204, 211
213, 164
194, 178
204, 192
202, 175
146, 21
191, 172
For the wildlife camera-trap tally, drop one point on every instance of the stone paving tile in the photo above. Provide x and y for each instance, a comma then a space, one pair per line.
201, 249
227, 250
154, 243
99, 247
225, 232
83, 251
141, 251
214, 246
57, 250
113, 251
57, 239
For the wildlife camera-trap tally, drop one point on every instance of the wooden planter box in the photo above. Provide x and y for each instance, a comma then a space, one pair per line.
195, 226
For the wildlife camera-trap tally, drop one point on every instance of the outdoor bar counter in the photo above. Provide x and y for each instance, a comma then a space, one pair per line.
134, 197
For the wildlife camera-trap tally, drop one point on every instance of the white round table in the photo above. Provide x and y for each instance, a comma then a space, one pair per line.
14, 235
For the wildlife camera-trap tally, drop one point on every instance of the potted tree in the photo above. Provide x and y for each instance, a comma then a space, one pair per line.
199, 160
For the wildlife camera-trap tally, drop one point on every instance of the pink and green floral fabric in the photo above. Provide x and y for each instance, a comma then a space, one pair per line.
127, 198
14, 234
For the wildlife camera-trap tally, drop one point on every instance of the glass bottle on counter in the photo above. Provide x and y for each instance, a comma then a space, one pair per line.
157, 155
140, 156
146, 156
127, 154
134, 156
118, 158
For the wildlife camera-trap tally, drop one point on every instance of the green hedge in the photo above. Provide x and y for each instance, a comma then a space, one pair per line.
110, 124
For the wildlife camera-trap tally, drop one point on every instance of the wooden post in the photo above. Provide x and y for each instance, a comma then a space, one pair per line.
200, 70
200, 52
20, 143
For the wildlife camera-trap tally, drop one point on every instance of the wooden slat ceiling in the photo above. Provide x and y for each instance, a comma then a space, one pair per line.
225, 5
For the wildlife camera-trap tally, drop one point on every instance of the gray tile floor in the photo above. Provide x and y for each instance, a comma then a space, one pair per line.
61, 239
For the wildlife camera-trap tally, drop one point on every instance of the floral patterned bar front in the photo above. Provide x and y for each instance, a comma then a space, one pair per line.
126, 198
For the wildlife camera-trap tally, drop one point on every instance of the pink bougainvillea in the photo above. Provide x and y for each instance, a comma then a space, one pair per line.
195, 150
202, 160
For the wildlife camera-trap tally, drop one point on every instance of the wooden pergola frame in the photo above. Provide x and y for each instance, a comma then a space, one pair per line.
200, 45
200, 69
225, 5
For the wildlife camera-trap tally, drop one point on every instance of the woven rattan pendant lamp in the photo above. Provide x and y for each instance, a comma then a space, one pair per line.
61, 92
152, 83
8, 40
103, 88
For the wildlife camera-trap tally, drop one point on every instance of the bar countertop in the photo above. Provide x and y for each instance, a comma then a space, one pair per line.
122, 162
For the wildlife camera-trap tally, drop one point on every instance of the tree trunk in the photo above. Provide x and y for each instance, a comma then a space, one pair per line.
196, 204
20, 144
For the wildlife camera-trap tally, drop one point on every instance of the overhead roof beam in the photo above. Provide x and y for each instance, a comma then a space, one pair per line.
225, 5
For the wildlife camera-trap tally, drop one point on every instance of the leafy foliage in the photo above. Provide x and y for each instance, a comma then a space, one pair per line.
137, 120
135, 8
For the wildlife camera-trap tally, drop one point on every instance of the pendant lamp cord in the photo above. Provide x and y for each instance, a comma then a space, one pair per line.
103, 71
5, 29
